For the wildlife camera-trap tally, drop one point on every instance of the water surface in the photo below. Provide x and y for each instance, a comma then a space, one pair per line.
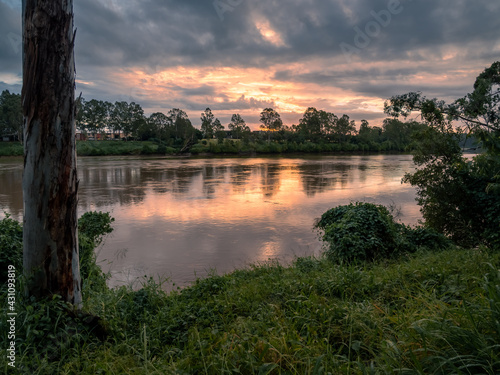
181, 218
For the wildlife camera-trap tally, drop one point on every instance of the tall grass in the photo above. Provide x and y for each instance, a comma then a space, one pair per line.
102, 148
430, 313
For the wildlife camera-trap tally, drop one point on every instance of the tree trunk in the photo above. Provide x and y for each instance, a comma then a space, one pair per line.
50, 253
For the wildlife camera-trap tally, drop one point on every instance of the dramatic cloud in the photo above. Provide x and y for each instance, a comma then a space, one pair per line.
240, 56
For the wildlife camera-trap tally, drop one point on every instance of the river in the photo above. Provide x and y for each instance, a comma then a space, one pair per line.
185, 218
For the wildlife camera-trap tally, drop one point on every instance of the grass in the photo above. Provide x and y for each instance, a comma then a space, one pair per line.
101, 148
430, 313
97, 148
228, 146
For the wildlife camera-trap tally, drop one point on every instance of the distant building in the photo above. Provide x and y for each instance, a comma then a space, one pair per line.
10, 138
99, 136
81, 136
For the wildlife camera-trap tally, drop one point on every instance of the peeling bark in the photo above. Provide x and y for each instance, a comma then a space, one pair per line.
50, 254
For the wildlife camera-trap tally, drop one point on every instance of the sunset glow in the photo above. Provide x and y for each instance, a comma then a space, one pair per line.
256, 55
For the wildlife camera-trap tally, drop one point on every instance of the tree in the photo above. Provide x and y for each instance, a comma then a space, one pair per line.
479, 110
94, 117
271, 121
370, 135
119, 116
182, 127
399, 133
344, 128
328, 123
50, 241
207, 119
456, 194
310, 124
160, 125
219, 132
135, 118
11, 114
238, 127
127, 117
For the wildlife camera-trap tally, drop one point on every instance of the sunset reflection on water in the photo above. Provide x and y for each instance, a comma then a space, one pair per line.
183, 217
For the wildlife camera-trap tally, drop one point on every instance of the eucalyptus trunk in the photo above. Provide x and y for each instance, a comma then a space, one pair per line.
50, 253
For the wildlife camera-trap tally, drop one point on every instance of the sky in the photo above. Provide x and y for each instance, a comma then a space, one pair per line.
241, 56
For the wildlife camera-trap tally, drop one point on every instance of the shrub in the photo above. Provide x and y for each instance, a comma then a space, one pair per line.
92, 227
162, 149
359, 231
424, 237
147, 150
453, 191
11, 149
11, 246
196, 149
366, 231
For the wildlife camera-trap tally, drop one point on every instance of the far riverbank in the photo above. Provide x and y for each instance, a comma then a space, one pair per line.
207, 148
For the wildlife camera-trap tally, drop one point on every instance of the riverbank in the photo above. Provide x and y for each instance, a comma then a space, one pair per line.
205, 148
431, 312
97, 148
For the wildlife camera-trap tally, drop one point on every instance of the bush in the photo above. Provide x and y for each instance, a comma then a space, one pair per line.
162, 149
92, 227
424, 237
196, 149
11, 149
453, 191
11, 246
359, 231
147, 150
365, 231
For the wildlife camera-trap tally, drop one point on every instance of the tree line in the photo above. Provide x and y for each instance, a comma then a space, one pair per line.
124, 120
175, 128
316, 131
11, 115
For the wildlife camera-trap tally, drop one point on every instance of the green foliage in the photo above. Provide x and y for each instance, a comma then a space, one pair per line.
11, 149
103, 148
198, 148
49, 331
92, 228
453, 191
318, 131
11, 246
365, 231
148, 150
465, 340
95, 225
359, 231
459, 197
11, 117
432, 312
424, 237
455, 202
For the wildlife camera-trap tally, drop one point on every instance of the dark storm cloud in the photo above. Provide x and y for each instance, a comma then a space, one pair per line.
244, 103
375, 82
409, 36
241, 103
10, 39
198, 91
171, 32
